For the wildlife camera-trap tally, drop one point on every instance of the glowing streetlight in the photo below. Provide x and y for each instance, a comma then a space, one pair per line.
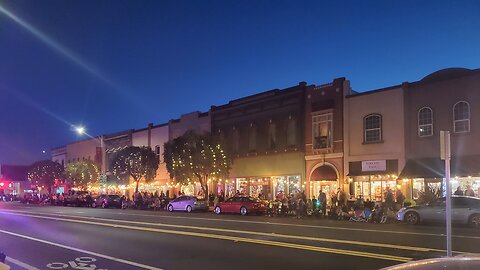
80, 130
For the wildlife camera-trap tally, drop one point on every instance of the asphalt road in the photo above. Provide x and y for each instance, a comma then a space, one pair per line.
46, 237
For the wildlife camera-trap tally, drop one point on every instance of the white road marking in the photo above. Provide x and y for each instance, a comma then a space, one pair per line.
140, 265
21, 264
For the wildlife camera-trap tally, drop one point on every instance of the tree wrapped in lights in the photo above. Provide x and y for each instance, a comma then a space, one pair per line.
197, 157
136, 162
44, 173
83, 173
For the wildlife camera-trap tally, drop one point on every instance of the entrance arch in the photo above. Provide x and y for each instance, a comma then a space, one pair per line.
323, 176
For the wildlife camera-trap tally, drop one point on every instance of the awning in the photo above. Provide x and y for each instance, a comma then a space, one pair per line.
324, 172
435, 167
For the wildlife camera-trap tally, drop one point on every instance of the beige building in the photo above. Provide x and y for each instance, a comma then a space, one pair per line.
155, 137
374, 142
88, 149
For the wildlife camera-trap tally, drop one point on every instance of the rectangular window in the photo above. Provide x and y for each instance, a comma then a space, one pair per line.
322, 131
272, 136
373, 128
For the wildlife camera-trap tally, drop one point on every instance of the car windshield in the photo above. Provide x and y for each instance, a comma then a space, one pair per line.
114, 196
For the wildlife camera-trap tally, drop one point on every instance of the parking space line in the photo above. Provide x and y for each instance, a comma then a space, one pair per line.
21, 264
140, 265
232, 238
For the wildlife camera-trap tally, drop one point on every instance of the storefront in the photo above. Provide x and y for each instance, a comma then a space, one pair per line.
371, 179
266, 175
266, 187
428, 173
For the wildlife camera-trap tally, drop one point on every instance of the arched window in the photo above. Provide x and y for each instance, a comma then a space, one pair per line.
461, 117
425, 122
372, 124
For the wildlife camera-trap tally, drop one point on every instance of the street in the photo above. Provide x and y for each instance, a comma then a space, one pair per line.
46, 237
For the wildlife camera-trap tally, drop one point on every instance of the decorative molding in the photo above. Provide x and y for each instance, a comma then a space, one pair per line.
324, 156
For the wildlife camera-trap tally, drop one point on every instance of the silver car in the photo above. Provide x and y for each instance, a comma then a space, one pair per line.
187, 203
465, 210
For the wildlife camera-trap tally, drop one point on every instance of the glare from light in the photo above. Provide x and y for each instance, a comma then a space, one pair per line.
80, 130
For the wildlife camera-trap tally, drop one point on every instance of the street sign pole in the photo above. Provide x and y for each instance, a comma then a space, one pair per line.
445, 153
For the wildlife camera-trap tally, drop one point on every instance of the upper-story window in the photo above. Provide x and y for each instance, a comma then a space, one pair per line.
252, 137
157, 152
235, 139
272, 135
461, 117
372, 124
425, 122
292, 131
322, 131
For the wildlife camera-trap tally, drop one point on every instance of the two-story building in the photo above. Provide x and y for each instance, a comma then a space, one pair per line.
447, 100
264, 133
374, 142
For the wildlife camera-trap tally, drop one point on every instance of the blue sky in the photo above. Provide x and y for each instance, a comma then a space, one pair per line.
137, 62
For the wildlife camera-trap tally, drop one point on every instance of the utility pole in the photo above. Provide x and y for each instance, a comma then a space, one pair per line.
445, 154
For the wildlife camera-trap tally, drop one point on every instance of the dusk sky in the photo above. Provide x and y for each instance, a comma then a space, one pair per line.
117, 65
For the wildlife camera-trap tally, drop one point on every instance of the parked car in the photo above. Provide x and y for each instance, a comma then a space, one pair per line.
187, 203
77, 198
242, 205
107, 201
465, 210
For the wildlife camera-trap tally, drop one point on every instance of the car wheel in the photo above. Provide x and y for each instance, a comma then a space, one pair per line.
217, 210
94, 205
170, 208
243, 211
189, 208
412, 218
474, 221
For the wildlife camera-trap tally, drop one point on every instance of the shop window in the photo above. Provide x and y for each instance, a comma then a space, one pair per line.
272, 135
322, 131
372, 128
294, 184
292, 131
425, 122
461, 117
252, 138
242, 186
158, 152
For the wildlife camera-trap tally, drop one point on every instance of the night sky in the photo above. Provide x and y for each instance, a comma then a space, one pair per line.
117, 65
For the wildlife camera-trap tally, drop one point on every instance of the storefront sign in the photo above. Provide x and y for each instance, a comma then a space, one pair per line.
374, 165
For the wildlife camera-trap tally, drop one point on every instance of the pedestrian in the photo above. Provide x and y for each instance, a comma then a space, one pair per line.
322, 198
469, 192
478, 192
399, 198
389, 199
458, 192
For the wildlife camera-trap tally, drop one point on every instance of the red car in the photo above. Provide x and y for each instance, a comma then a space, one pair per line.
242, 205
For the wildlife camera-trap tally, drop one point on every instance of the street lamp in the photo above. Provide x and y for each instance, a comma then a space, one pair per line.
81, 130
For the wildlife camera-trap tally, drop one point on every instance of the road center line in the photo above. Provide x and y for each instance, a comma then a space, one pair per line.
144, 266
276, 235
225, 237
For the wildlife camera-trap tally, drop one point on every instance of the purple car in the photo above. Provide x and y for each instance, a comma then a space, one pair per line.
187, 203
